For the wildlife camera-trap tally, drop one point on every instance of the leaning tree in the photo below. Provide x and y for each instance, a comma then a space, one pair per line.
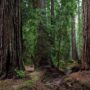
10, 38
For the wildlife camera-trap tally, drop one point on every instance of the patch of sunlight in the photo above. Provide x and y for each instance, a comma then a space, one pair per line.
35, 76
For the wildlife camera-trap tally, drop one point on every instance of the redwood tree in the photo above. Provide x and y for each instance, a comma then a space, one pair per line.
86, 49
10, 38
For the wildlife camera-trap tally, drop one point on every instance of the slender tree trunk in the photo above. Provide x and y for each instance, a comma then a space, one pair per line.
52, 23
10, 38
52, 11
74, 47
58, 53
80, 29
53, 32
86, 48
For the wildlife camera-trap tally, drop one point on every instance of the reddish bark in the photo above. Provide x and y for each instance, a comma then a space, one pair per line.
10, 38
86, 48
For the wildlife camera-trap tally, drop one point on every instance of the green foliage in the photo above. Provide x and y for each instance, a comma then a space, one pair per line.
20, 74
57, 35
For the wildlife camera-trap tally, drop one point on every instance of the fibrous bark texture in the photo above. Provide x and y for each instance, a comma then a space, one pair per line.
10, 38
86, 49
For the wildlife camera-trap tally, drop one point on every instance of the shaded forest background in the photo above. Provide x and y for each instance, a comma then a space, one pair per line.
59, 37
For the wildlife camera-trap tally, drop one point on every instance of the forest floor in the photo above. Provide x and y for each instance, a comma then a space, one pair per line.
35, 80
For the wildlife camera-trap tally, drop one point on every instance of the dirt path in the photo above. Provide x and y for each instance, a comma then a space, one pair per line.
74, 81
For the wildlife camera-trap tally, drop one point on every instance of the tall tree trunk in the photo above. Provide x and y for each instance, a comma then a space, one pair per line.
80, 29
10, 38
52, 11
52, 31
52, 21
86, 48
74, 47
